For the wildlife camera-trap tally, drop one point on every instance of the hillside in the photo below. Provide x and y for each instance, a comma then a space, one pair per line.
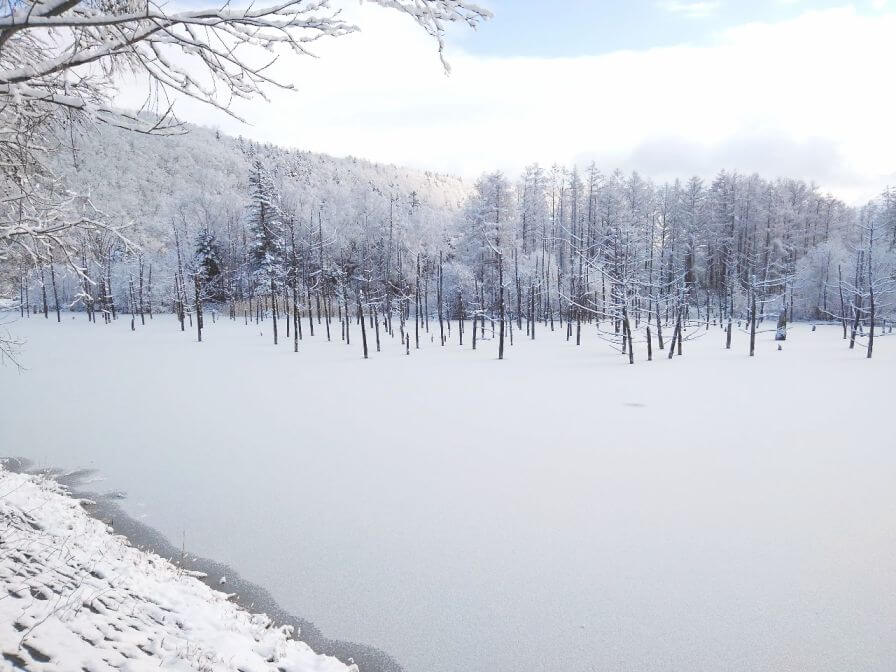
202, 176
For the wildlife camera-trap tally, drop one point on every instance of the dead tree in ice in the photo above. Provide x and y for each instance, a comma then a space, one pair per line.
361, 321
781, 329
198, 305
441, 301
417, 315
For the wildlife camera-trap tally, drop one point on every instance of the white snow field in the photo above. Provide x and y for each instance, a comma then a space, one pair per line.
559, 510
76, 597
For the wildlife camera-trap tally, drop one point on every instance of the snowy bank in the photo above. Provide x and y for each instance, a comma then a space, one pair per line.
78, 597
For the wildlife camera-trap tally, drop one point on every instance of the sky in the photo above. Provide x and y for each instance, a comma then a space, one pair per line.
587, 27
670, 88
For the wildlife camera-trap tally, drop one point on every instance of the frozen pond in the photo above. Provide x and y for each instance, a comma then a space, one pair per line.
560, 510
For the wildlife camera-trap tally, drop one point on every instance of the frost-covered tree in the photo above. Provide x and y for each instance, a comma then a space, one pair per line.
267, 246
486, 241
870, 286
209, 264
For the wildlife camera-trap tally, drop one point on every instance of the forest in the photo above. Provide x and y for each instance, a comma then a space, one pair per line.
203, 222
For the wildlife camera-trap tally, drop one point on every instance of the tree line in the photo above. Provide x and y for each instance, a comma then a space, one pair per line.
640, 265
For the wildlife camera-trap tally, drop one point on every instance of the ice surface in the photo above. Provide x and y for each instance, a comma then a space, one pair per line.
559, 510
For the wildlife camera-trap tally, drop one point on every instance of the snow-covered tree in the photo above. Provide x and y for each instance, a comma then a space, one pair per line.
267, 244
209, 264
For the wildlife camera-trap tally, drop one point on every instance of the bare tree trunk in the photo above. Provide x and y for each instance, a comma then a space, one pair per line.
857, 303
286, 313
140, 291
627, 330
707, 310
417, 308
475, 317
624, 336
149, 292
85, 287
752, 322
842, 302
549, 311
27, 299
680, 335
376, 322
440, 299
55, 292
199, 310
855, 328
871, 316
460, 318
559, 298
674, 338
426, 295
534, 318
274, 309
519, 291
781, 329
348, 338
109, 296
132, 302
363, 326
178, 303
501, 312
310, 316
296, 318
43, 291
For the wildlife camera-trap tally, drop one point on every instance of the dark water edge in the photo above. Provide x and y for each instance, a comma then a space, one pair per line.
246, 594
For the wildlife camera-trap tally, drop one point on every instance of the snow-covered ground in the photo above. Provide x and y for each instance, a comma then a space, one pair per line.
559, 510
75, 596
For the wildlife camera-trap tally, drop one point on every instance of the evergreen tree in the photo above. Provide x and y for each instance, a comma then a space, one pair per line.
209, 264
267, 248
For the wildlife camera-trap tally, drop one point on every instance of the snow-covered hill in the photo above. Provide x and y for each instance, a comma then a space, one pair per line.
201, 177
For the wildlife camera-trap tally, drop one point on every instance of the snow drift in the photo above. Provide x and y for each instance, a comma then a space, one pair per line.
79, 597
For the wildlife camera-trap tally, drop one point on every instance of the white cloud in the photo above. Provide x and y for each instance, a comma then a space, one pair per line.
806, 96
692, 10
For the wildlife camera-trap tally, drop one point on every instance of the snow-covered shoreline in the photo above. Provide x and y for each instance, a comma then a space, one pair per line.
78, 596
